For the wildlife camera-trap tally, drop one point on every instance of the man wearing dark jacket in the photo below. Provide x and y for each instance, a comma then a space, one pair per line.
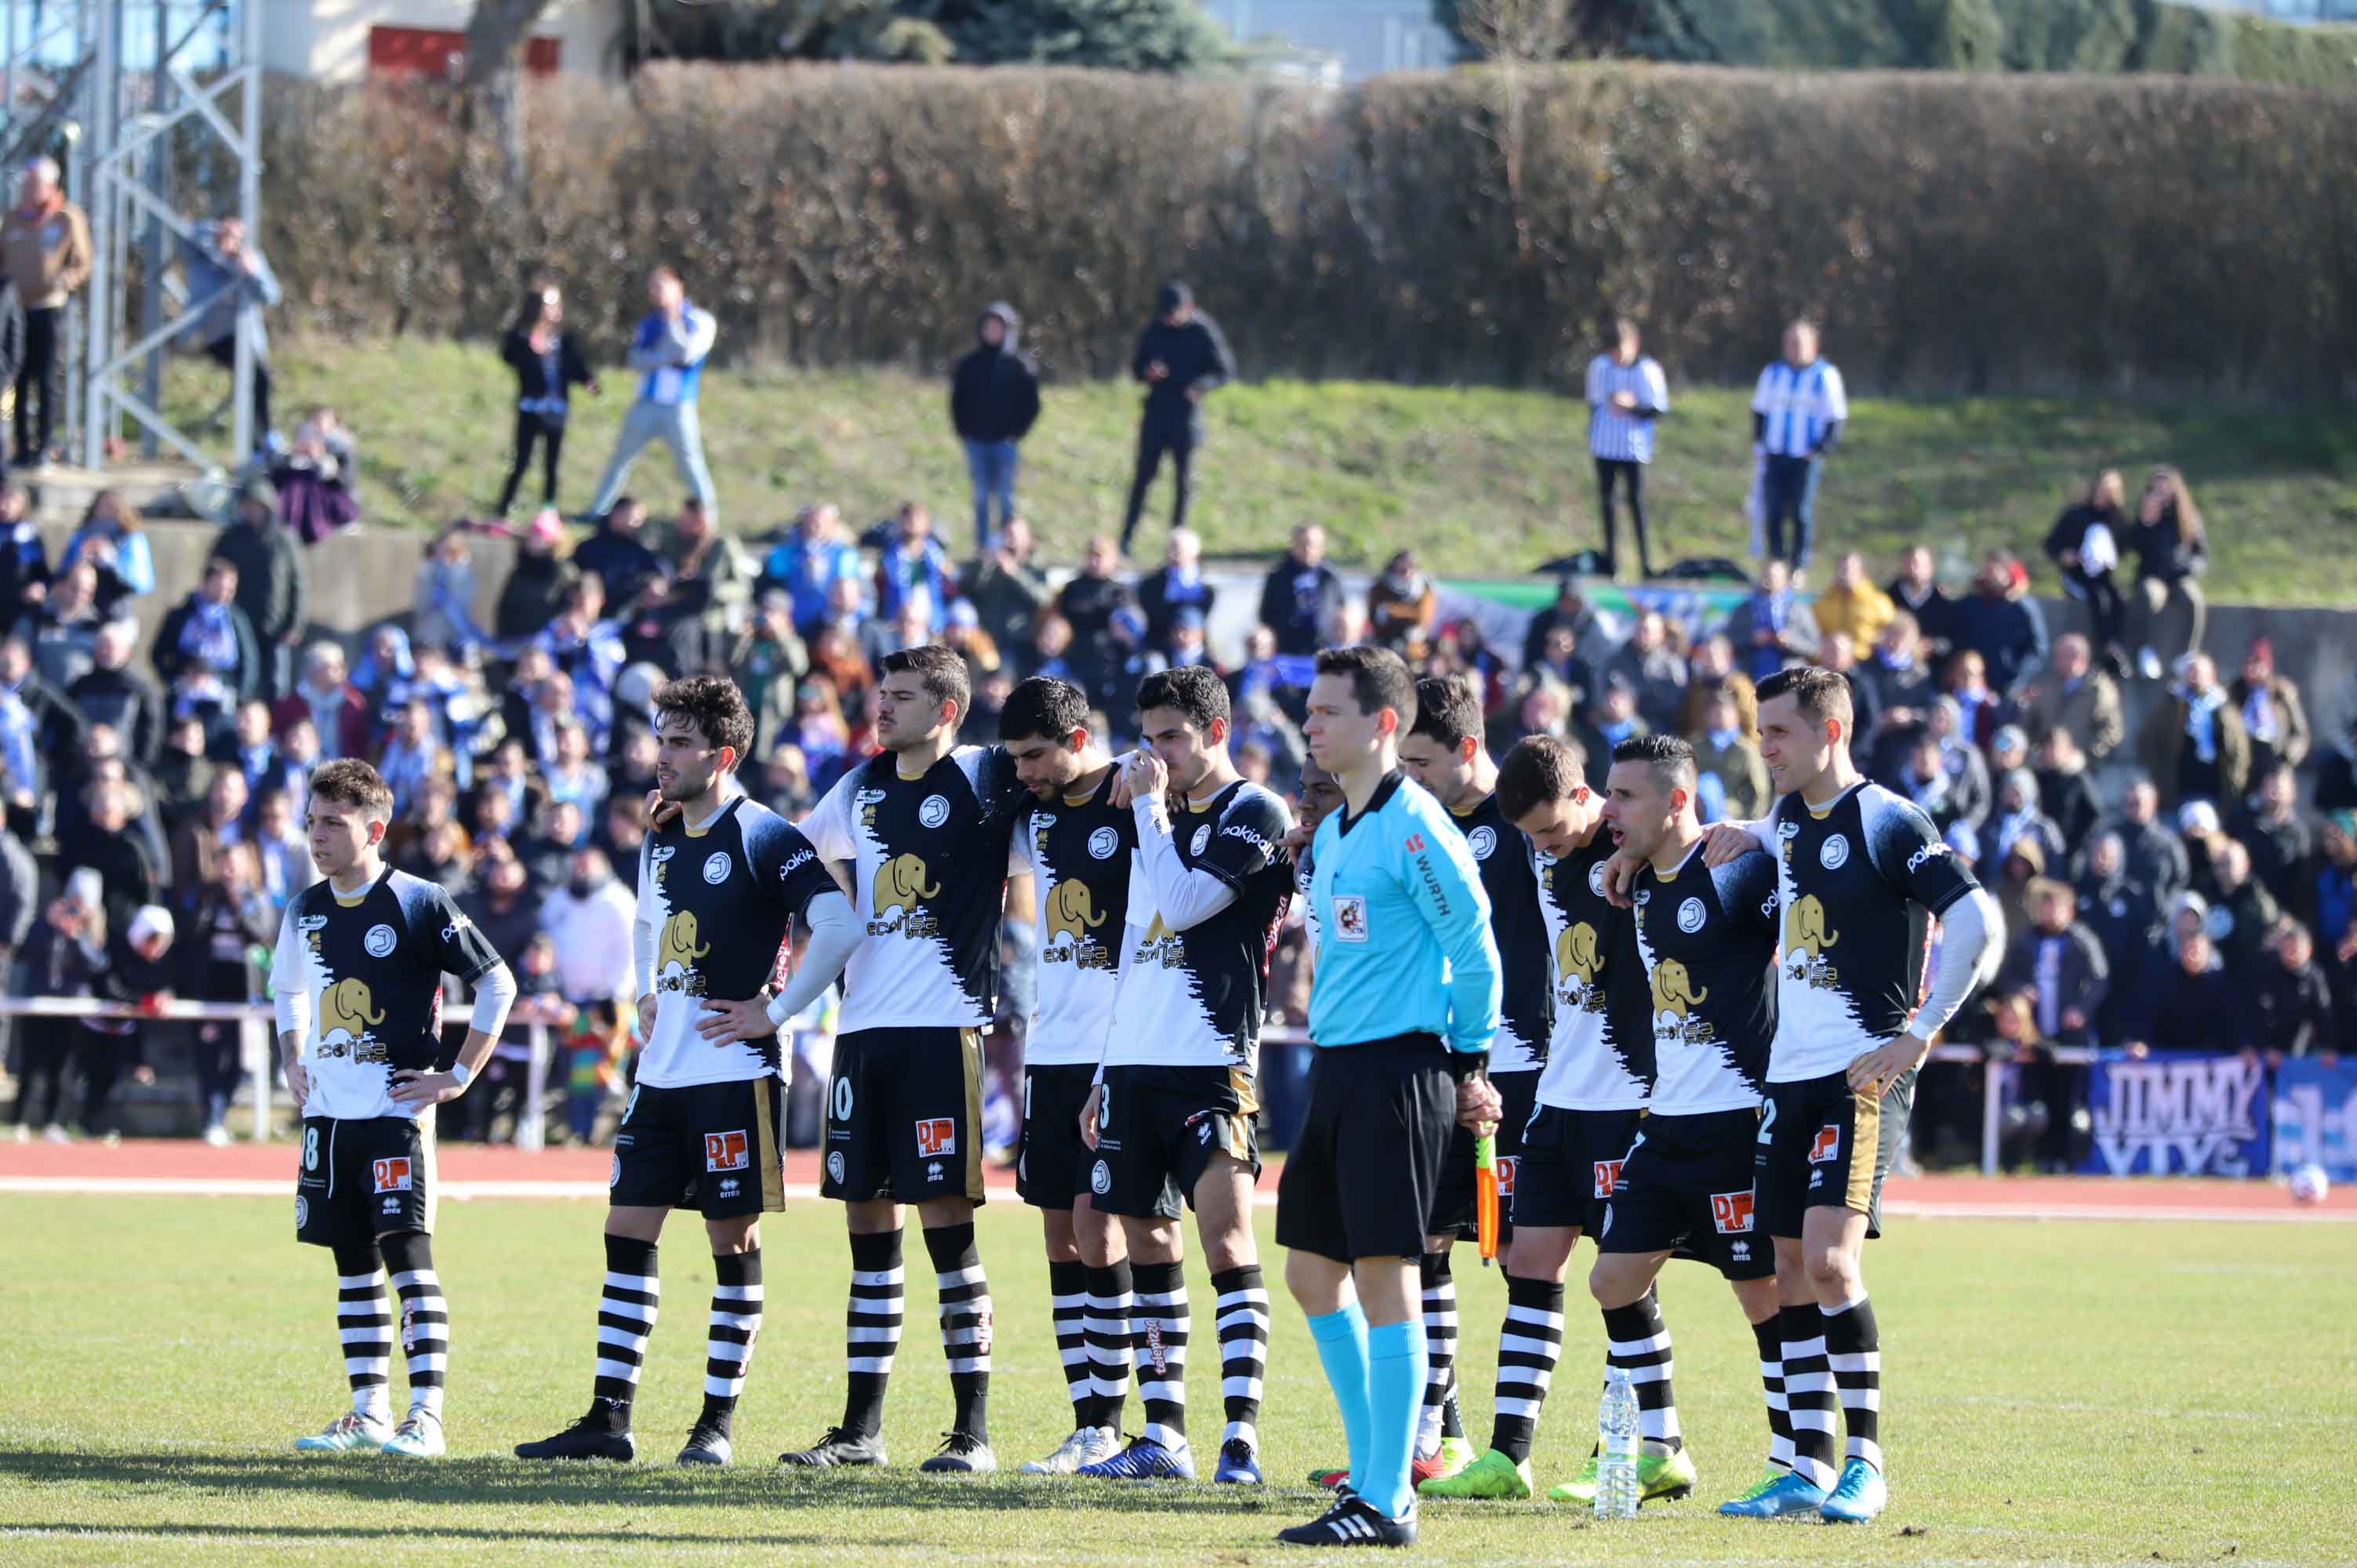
2155, 857
1300, 594
115, 693
272, 586
2003, 624
1180, 357
993, 402
2126, 925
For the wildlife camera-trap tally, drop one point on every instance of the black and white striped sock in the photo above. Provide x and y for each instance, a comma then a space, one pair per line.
1854, 1352
424, 1317
364, 1325
1770, 1336
1809, 1395
1439, 1348
871, 1328
1068, 1310
626, 1315
1636, 1339
965, 1321
736, 1324
1107, 1327
1159, 1334
1528, 1348
1240, 1318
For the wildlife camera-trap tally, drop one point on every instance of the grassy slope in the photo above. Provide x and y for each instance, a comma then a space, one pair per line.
2064, 1393
1484, 481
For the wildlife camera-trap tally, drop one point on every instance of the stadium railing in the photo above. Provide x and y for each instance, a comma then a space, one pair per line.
256, 1055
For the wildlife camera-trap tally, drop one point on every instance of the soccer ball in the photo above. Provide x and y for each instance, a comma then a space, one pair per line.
2308, 1182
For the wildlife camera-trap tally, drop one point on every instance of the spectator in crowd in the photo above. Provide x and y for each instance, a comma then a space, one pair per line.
2064, 790
571, 776
1917, 591
811, 562
112, 692
912, 561
273, 583
2003, 624
1186, 643
125, 860
557, 831
2154, 858
1903, 685
538, 584
61, 631
2172, 549
411, 755
2194, 742
1852, 604
1654, 669
509, 776
2273, 715
1625, 395
137, 971
46, 252
2194, 1004
1710, 670
668, 350
2334, 899
63, 956
2244, 913
2126, 919
2058, 968
1731, 781
210, 631
785, 785
20, 891
1773, 626
1838, 654
1592, 641
589, 918
110, 539
502, 909
318, 478
282, 846
1797, 413
628, 570
1982, 711
1177, 585
198, 843
1181, 357
909, 626
1402, 606
548, 363
220, 923
993, 402
710, 596
2085, 544
183, 774
2018, 816
23, 559
1006, 590
2073, 695
821, 733
587, 649
1300, 592
230, 284
765, 661
338, 710
1559, 660
2277, 837
442, 604
2292, 1000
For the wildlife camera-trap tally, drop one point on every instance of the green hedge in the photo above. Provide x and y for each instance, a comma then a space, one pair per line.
1957, 234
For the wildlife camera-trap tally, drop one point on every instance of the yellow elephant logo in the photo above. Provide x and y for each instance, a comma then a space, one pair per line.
899, 883
1576, 955
1805, 930
1071, 908
1673, 989
348, 1006
679, 941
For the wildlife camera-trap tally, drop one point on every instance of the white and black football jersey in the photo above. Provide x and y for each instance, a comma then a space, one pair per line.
1510, 876
1708, 937
1082, 857
1601, 1053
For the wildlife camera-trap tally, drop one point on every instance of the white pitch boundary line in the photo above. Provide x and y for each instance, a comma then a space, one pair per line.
464, 1191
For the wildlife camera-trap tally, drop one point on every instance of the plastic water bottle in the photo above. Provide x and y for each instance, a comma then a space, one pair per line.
1616, 1440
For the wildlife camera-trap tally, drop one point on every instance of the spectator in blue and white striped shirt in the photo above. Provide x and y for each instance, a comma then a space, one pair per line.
1626, 393
1796, 416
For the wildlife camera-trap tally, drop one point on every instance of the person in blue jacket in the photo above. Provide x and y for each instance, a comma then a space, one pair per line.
668, 350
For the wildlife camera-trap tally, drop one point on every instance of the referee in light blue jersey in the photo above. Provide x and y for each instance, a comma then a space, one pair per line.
1625, 393
1406, 1001
1796, 416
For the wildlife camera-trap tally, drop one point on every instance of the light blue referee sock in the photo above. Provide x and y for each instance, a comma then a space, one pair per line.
1396, 1375
1342, 1349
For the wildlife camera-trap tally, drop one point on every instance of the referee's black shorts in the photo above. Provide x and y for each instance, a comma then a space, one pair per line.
1360, 1180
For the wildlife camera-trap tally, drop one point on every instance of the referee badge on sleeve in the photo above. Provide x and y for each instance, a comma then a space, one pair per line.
1350, 917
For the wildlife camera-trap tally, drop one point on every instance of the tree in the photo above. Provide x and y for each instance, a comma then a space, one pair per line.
878, 30
1175, 36
492, 90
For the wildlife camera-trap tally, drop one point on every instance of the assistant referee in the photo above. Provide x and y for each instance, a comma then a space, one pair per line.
1405, 1003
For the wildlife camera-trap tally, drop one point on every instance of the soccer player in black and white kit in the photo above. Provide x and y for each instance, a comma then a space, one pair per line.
1861, 875
924, 828
1706, 936
1444, 751
357, 978
721, 878
1590, 1096
1172, 1117
1080, 850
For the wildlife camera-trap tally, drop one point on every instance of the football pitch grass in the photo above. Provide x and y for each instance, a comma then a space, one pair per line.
2060, 1392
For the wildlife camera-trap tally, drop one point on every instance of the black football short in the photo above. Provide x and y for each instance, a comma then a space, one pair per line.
1361, 1178
712, 1147
1686, 1186
1824, 1145
1052, 1164
904, 1116
1452, 1211
1569, 1160
1157, 1129
358, 1179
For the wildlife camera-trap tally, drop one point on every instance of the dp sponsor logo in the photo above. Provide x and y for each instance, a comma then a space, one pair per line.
1731, 1212
936, 1137
390, 1175
1607, 1176
727, 1151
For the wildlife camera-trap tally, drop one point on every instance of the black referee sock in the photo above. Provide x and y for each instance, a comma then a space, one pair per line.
736, 1324
1067, 1309
1854, 1351
1439, 1348
1528, 1348
626, 1315
871, 1328
364, 1325
965, 1322
1770, 1336
424, 1317
1108, 1336
1240, 1317
1809, 1395
1158, 1331
1637, 1340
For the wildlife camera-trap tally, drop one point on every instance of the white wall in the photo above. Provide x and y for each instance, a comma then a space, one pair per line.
327, 40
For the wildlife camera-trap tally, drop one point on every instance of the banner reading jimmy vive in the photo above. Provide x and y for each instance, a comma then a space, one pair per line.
2177, 1115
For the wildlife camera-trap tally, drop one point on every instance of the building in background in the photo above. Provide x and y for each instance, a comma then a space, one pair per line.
1341, 40
393, 39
